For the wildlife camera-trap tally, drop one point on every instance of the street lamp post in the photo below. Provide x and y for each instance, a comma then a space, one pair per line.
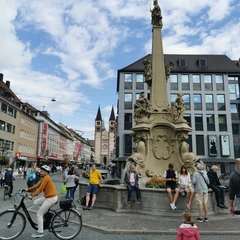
3, 146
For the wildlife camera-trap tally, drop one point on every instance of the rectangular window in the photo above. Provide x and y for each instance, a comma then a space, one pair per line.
208, 82
182, 62
209, 102
187, 117
221, 102
173, 97
173, 82
127, 121
222, 120
202, 63
10, 111
186, 99
139, 81
197, 101
127, 101
210, 122
13, 131
127, 81
9, 128
233, 91
196, 82
219, 83
4, 108
2, 125
128, 144
200, 145
185, 82
235, 128
15, 113
198, 122
137, 96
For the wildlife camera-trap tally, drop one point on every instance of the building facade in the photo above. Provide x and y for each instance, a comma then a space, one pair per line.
210, 84
104, 142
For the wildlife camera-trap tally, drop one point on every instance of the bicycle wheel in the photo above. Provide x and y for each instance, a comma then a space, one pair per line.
7, 231
66, 224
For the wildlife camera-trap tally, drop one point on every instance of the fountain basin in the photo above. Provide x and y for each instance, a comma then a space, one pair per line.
153, 201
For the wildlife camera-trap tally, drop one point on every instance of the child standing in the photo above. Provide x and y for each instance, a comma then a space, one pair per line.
70, 184
188, 230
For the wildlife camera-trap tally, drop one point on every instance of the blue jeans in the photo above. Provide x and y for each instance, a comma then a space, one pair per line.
130, 188
70, 191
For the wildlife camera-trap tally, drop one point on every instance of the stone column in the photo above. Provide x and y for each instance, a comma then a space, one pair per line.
158, 97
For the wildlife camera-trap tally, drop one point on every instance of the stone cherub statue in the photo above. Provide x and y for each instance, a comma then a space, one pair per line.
168, 69
178, 108
148, 71
141, 108
156, 14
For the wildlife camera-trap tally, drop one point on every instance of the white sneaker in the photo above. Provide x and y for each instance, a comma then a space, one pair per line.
172, 206
37, 235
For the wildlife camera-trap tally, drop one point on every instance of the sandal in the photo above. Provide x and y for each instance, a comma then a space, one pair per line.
85, 208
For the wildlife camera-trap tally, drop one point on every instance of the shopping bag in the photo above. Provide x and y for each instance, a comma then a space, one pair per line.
63, 189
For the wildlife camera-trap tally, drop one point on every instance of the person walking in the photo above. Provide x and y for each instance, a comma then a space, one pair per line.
171, 184
200, 182
234, 186
47, 186
215, 185
31, 178
70, 184
8, 179
131, 180
184, 182
76, 181
94, 177
188, 230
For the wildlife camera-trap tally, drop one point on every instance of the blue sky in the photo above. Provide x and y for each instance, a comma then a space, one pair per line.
71, 50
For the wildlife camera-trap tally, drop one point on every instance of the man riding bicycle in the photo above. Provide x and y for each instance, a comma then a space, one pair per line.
50, 197
8, 179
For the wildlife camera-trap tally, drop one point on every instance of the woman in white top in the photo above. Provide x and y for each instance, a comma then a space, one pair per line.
70, 184
184, 182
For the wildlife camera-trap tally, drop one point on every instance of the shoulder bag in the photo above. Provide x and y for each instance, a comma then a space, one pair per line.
209, 190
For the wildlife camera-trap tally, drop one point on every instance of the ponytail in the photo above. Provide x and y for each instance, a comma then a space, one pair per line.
188, 218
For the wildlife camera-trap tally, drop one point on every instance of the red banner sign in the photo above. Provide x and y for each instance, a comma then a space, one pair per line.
44, 136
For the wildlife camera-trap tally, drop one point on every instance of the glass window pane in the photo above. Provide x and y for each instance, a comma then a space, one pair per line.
232, 88
209, 98
200, 144
220, 99
173, 97
139, 77
128, 77
196, 79
197, 98
219, 79
233, 108
207, 79
173, 78
186, 98
128, 97
137, 95
185, 79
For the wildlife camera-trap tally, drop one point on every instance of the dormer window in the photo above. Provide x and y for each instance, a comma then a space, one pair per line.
202, 62
182, 62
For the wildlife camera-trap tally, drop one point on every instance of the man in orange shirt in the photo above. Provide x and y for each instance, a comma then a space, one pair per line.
94, 177
50, 197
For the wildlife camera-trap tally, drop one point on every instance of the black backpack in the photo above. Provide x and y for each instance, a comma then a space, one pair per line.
83, 201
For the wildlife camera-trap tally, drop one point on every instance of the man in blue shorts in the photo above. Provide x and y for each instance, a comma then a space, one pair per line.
94, 177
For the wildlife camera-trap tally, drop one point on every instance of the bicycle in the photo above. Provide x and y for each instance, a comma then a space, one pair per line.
6, 192
63, 223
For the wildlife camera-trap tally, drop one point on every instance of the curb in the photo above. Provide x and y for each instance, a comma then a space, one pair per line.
145, 231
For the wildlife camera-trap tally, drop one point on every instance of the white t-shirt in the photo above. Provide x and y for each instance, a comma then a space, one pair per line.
132, 179
184, 179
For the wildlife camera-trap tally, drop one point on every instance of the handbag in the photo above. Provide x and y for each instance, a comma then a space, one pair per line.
63, 189
236, 202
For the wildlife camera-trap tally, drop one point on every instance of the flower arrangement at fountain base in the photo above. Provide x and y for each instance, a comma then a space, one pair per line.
156, 182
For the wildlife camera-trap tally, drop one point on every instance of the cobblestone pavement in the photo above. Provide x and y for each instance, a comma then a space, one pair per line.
107, 225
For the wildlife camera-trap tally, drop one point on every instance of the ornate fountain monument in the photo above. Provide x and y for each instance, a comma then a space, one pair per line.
160, 135
160, 131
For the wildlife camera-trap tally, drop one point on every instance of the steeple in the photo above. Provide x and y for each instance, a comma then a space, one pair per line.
112, 116
99, 115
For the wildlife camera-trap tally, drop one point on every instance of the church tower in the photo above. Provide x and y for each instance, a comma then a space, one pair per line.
98, 136
112, 136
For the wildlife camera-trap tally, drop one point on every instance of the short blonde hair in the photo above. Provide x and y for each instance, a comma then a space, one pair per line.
214, 167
